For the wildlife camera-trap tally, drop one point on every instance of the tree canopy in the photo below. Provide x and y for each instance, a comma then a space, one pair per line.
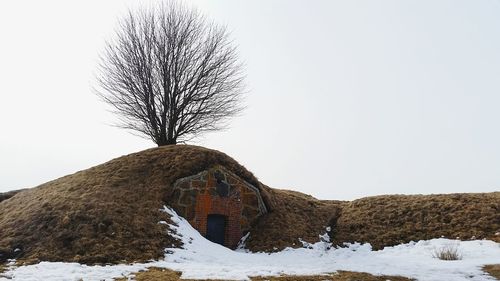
171, 74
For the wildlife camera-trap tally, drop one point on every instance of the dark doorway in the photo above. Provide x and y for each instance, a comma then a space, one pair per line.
216, 228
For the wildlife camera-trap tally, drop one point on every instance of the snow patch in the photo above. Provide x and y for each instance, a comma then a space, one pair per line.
242, 244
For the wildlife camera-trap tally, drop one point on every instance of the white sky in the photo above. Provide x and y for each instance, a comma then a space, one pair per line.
347, 98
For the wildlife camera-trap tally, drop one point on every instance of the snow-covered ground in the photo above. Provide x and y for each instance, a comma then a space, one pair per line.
202, 259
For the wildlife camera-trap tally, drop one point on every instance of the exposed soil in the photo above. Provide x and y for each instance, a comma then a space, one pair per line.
110, 213
156, 274
493, 270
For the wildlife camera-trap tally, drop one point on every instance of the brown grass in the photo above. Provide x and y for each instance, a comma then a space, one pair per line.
448, 253
339, 276
295, 216
380, 220
493, 270
105, 214
159, 274
110, 213
156, 274
393, 219
6, 195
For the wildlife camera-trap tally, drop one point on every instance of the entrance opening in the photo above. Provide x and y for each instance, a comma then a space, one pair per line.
216, 228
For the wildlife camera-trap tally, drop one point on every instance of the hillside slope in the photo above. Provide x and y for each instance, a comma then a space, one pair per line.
110, 213
295, 217
394, 219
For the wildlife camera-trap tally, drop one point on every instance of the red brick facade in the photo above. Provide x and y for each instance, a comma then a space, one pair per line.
218, 192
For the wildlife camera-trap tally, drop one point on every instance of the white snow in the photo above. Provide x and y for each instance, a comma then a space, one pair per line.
201, 258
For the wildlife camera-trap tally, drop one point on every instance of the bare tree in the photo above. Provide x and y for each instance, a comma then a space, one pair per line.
170, 74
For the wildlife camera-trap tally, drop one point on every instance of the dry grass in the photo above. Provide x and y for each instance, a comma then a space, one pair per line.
339, 276
6, 195
154, 273
294, 216
157, 274
3, 268
393, 219
493, 270
448, 253
105, 214
110, 213
380, 220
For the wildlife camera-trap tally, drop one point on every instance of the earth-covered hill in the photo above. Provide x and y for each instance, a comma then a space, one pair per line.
110, 213
389, 220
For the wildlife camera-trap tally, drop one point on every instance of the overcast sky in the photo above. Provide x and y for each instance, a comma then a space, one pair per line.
346, 98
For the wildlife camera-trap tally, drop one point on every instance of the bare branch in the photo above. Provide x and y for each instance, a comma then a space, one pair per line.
170, 74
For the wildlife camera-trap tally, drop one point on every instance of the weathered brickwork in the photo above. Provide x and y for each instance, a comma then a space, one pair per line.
218, 192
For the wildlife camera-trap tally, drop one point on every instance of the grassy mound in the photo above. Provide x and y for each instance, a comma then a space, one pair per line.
380, 220
295, 216
110, 213
105, 214
393, 219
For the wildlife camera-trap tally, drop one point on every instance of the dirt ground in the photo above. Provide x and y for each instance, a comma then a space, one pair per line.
157, 274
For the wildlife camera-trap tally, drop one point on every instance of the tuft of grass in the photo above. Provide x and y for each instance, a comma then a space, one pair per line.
154, 273
157, 274
3, 268
493, 270
448, 253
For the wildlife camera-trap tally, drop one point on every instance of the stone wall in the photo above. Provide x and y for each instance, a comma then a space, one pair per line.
218, 191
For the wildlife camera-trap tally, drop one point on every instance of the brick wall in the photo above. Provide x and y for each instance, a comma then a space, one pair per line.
197, 196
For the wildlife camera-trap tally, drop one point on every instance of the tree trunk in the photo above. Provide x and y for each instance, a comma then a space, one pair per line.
167, 142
